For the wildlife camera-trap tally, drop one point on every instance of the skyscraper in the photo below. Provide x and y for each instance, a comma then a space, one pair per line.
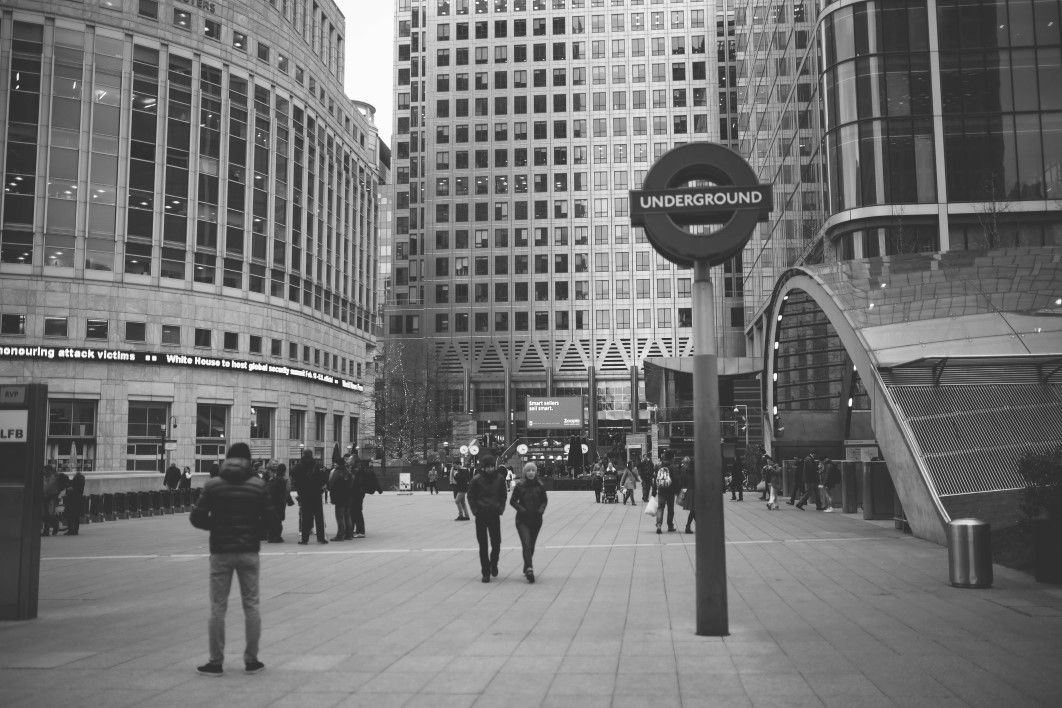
520, 127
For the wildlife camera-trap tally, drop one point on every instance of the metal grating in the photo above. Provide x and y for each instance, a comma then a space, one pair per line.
973, 435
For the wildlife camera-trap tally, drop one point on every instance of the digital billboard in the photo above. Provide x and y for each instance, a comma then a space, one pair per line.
557, 412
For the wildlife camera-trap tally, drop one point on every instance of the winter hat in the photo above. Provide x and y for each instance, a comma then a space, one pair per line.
240, 451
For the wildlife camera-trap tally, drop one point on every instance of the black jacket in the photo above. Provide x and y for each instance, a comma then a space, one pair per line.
486, 494
529, 499
235, 508
305, 478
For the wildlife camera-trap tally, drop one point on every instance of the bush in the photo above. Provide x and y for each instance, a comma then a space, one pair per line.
1042, 473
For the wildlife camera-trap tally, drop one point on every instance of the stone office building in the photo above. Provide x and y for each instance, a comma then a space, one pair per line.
188, 247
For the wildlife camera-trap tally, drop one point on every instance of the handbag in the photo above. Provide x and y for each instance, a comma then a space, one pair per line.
761, 486
651, 506
682, 498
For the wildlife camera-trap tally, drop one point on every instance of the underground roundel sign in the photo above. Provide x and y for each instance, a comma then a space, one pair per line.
734, 201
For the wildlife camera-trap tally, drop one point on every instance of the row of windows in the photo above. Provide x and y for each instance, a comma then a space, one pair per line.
482, 7
557, 51
99, 330
543, 321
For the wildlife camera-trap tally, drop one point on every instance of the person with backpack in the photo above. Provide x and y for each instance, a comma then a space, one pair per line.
664, 491
364, 482
341, 484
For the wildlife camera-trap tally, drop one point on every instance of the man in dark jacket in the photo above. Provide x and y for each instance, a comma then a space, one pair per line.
280, 495
235, 508
459, 478
809, 472
308, 483
486, 499
646, 472
172, 478
72, 502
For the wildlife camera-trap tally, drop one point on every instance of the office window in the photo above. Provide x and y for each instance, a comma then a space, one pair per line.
202, 337
55, 327
135, 331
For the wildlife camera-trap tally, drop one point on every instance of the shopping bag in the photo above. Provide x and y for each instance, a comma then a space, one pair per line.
761, 486
682, 498
650, 508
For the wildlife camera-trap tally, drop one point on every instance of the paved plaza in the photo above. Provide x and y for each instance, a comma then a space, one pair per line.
825, 609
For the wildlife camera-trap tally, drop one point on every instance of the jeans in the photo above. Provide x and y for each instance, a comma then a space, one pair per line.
73, 513
433, 487
646, 489
628, 495
488, 524
357, 518
343, 525
462, 507
824, 494
311, 512
527, 529
222, 566
667, 500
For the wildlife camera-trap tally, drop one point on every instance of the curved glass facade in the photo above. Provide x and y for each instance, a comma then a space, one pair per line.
191, 181
879, 105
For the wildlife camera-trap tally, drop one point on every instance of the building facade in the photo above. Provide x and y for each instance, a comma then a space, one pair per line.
520, 127
188, 245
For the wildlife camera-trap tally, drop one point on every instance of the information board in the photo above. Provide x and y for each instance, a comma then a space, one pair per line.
564, 412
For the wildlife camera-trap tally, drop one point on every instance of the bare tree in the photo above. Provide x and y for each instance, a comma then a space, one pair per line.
412, 412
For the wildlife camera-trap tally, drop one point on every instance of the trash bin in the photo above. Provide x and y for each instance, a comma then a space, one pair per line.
969, 553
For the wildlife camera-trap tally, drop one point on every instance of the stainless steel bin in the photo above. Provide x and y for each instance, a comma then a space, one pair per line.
969, 553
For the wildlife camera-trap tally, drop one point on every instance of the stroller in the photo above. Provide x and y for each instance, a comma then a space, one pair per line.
609, 487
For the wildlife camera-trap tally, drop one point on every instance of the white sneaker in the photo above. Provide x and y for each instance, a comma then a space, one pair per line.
827, 511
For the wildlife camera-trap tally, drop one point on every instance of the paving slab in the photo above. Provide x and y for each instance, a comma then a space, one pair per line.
825, 610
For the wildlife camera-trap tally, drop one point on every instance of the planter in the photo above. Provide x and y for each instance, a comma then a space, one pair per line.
1047, 550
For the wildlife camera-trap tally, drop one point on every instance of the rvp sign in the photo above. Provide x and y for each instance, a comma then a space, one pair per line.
14, 427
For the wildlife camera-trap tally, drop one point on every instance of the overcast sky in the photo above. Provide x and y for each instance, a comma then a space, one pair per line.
369, 54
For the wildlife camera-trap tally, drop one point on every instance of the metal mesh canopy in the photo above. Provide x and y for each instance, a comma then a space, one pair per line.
997, 303
968, 345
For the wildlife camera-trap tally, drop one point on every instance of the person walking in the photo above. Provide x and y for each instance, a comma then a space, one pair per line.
664, 491
645, 472
689, 481
433, 479
629, 481
809, 471
771, 471
529, 500
307, 483
827, 478
798, 480
459, 479
72, 502
186, 478
341, 484
234, 507
510, 478
597, 480
365, 482
737, 483
279, 489
486, 498
50, 502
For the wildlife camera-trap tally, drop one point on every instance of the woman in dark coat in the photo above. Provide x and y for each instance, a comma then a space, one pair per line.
529, 500
280, 494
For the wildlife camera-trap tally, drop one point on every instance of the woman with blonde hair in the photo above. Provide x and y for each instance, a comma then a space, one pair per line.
529, 500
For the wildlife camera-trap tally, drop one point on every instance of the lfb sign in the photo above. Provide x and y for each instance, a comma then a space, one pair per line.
14, 426
733, 199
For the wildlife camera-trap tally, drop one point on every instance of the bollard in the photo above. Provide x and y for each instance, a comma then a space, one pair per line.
969, 553
132, 502
109, 512
121, 510
149, 502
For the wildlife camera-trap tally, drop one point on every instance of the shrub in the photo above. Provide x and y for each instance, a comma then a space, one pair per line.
1042, 472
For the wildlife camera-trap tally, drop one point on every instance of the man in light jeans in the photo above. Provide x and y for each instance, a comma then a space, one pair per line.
237, 510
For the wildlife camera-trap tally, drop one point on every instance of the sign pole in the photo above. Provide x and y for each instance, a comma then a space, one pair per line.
712, 620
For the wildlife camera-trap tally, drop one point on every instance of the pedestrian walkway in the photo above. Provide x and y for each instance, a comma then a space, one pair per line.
825, 609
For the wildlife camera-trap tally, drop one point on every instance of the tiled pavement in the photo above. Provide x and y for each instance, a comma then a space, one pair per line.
825, 609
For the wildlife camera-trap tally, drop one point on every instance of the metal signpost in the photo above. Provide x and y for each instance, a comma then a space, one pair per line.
664, 206
23, 416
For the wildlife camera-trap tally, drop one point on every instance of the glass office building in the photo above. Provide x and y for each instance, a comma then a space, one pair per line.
521, 125
188, 246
